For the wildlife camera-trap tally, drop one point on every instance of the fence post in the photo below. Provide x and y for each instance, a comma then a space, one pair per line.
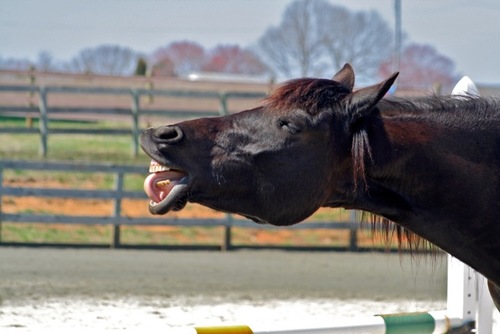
43, 121
223, 104
115, 237
150, 86
1, 192
31, 95
353, 232
135, 123
468, 297
226, 245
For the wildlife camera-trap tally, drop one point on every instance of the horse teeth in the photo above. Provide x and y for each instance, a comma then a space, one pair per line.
158, 168
162, 184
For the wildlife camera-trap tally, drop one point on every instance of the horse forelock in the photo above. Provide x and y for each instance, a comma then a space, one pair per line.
309, 94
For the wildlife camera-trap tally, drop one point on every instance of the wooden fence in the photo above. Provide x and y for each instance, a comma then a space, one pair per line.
44, 111
117, 194
80, 102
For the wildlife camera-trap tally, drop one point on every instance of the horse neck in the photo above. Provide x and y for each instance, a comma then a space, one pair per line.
433, 182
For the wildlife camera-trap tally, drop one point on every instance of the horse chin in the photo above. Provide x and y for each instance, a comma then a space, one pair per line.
256, 219
176, 200
275, 221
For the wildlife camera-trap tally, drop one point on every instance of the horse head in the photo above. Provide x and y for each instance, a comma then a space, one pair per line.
275, 164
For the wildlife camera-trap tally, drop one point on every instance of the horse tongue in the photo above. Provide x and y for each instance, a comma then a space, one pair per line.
158, 185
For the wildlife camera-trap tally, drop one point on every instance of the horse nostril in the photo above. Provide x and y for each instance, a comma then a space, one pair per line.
169, 134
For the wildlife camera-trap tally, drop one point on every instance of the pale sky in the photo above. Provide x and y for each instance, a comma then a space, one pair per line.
467, 31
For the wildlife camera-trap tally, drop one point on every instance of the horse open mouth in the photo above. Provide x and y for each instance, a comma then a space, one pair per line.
166, 188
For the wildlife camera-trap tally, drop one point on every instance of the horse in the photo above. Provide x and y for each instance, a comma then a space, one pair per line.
429, 165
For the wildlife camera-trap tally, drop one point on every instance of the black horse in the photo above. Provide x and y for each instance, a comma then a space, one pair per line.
431, 165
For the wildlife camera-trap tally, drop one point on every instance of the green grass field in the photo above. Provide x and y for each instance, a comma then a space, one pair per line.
69, 147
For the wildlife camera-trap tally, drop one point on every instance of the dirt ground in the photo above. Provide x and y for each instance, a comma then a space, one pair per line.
44, 289
38, 273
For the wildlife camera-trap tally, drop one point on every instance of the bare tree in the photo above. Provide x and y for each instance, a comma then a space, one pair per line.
45, 62
105, 59
16, 64
362, 39
295, 45
316, 38
233, 59
185, 56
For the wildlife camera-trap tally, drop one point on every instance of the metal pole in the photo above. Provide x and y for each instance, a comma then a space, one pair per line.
397, 35
420, 322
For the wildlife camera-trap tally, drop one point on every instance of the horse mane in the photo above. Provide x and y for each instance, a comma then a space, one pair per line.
381, 226
441, 108
309, 94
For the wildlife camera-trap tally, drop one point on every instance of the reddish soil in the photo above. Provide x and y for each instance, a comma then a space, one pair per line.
138, 208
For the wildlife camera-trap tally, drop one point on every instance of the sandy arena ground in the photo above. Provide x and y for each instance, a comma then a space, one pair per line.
136, 289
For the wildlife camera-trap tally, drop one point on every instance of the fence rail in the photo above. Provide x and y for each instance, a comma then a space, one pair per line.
117, 194
43, 111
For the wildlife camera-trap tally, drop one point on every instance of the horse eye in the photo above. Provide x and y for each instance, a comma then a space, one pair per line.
282, 123
288, 126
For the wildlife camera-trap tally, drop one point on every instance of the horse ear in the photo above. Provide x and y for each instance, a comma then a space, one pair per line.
345, 76
362, 101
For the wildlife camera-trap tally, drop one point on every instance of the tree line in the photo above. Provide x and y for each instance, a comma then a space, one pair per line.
313, 38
